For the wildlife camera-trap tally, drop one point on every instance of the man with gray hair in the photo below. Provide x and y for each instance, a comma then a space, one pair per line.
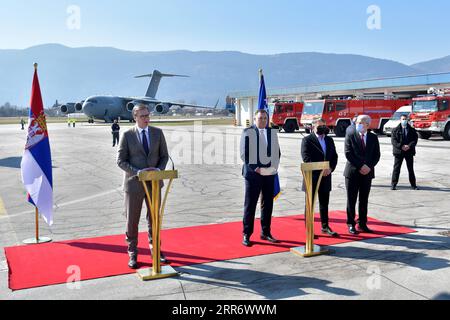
362, 150
142, 148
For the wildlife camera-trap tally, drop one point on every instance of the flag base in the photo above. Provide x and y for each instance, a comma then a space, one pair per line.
166, 272
38, 240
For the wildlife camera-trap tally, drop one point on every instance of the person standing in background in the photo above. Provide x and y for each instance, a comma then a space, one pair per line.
404, 140
115, 130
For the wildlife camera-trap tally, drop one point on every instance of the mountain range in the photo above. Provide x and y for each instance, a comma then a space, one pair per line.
72, 74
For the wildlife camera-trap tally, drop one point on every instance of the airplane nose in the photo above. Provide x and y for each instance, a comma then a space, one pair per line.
88, 109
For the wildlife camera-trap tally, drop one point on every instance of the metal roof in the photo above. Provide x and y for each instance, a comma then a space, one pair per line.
403, 81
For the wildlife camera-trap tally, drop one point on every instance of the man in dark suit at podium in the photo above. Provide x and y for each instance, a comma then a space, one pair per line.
260, 152
142, 148
318, 147
404, 140
362, 150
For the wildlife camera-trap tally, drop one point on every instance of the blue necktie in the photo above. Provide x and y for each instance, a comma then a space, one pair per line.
145, 142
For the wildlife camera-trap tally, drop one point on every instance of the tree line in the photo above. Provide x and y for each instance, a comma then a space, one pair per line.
9, 110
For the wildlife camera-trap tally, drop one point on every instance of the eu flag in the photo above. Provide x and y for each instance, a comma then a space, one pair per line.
263, 105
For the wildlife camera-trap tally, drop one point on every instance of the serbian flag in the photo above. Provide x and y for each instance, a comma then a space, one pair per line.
263, 105
36, 163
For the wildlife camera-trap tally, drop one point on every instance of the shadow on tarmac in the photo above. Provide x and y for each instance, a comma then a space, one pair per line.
268, 285
13, 162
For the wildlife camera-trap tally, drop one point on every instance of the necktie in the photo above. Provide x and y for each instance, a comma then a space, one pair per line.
363, 143
404, 135
145, 142
262, 140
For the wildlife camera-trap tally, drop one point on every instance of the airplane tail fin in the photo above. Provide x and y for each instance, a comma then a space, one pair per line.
156, 79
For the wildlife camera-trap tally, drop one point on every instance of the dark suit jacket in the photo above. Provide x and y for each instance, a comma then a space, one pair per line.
250, 152
357, 157
398, 140
131, 157
312, 152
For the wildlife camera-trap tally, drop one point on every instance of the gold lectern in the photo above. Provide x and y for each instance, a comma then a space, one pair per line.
157, 213
310, 250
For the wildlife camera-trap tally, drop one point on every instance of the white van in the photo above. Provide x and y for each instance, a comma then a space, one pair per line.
395, 120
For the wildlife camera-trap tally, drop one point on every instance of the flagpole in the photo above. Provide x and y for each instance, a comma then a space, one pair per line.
37, 239
37, 225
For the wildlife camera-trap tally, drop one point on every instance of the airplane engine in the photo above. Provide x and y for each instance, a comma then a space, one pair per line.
79, 107
130, 106
67, 108
162, 108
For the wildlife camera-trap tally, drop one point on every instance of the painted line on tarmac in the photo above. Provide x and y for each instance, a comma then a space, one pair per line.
69, 203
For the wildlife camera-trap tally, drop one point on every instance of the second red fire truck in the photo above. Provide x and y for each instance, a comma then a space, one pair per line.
431, 114
337, 113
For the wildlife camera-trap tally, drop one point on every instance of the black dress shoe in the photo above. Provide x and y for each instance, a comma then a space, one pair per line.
394, 188
415, 188
246, 242
364, 228
352, 230
327, 230
132, 264
269, 238
162, 257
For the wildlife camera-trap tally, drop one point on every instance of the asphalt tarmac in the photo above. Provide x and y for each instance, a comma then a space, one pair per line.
89, 203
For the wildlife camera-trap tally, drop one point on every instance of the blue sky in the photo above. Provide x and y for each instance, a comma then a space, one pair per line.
411, 31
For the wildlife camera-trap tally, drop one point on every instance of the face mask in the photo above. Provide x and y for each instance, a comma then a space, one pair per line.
360, 128
323, 131
404, 123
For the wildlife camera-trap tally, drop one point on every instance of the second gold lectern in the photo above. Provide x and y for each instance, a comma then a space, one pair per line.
310, 250
157, 213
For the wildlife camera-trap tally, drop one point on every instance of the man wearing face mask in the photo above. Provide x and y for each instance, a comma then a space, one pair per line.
362, 150
404, 140
318, 147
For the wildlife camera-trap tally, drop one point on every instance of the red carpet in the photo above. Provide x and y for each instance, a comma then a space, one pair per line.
49, 264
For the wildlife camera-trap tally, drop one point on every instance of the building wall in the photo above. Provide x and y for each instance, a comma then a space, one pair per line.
246, 110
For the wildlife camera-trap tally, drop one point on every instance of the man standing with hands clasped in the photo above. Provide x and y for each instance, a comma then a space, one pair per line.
404, 140
362, 150
260, 152
142, 148
318, 147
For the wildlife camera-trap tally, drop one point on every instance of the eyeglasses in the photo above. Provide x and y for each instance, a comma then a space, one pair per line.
144, 116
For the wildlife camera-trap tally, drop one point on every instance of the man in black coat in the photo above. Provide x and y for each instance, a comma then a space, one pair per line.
362, 150
115, 130
404, 140
318, 147
260, 152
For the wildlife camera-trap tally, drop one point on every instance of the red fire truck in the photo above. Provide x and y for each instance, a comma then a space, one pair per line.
339, 113
287, 116
431, 114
